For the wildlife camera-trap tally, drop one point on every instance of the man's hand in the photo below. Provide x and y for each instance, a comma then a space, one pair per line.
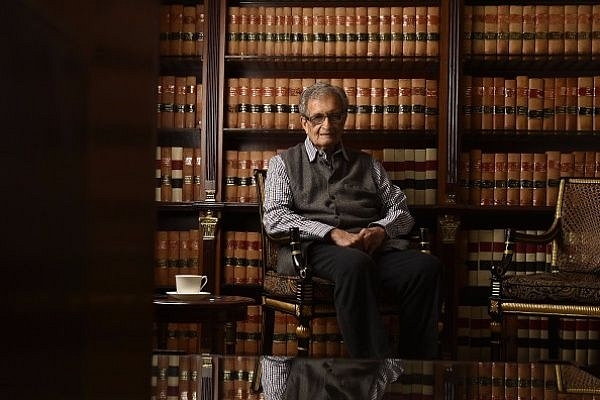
372, 238
367, 240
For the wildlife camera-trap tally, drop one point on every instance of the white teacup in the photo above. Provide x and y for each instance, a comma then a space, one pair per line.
190, 284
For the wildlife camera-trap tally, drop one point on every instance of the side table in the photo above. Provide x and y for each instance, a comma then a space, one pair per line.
217, 313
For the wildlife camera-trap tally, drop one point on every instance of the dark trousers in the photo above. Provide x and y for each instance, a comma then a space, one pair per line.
408, 278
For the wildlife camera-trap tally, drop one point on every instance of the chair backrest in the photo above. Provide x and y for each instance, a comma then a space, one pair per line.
577, 246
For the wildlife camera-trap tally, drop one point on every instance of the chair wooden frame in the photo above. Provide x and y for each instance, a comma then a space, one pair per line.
304, 296
502, 305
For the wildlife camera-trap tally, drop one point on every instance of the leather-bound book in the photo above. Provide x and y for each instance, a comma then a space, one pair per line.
570, 29
404, 103
526, 179
420, 31
431, 104
513, 173
373, 31
376, 95
539, 179
515, 30
363, 103
528, 45
541, 29
396, 31
390, 104
188, 34
556, 29
175, 29
191, 102
268, 101
584, 29
548, 104
433, 31
362, 34
318, 31
385, 31
585, 103
351, 35
409, 20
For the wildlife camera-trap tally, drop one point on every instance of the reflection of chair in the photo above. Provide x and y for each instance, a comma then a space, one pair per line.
302, 295
571, 286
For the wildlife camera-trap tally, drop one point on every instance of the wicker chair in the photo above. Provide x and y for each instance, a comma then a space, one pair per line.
571, 288
305, 296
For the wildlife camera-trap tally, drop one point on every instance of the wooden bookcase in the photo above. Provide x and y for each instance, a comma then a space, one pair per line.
240, 53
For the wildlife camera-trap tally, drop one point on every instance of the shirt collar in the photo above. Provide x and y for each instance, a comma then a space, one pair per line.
312, 151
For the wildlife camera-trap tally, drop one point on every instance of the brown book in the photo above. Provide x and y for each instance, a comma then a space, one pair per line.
522, 101
330, 30
464, 170
487, 179
244, 30
269, 35
351, 36
157, 173
550, 381
431, 164
175, 29
390, 104
584, 29
376, 104
490, 26
477, 92
537, 381
467, 101
535, 104
585, 103
548, 102
515, 30
567, 164
523, 381
318, 31
199, 193
590, 164
487, 103
231, 175
199, 31
409, 21
165, 174
349, 86
572, 99
404, 103
340, 31
528, 45
294, 92
268, 103
234, 35
253, 256
362, 34
478, 30
385, 31
188, 34
503, 36
484, 372
418, 97
513, 179
541, 29
363, 103
253, 31
560, 103
510, 102
498, 380
172, 256
282, 107
296, 30
159, 102
244, 105
500, 178
195, 253
526, 179
256, 107
420, 31
179, 104
168, 101
240, 256
396, 31
556, 26
244, 176
475, 176
161, 246
570, 29
184, 252
579, 163
199, 108
188, 174
552, 176
192, 105
433, 31
164, 28
596, 29
467, 29
539, 179
431, 104
498, 110
284, 30
373, 31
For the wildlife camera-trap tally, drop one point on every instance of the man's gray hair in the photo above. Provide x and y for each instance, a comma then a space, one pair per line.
318, 91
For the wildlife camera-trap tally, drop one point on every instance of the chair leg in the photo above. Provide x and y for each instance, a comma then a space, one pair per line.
268, 330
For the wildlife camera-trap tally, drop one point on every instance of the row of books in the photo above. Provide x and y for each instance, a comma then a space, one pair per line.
178, 174
579, 338
183, 337
181, 30
561, 104
484, 247
177, 252
520, 179
177, 376
414, 170
373, 103
333, 31
532, 29
179, 102
242, 255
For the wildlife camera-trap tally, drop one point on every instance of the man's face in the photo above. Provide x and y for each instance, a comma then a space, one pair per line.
325, 123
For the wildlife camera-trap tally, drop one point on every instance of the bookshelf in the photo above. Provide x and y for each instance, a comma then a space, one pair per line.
441, 104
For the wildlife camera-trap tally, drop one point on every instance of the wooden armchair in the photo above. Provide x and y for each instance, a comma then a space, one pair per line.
571, 286
303, 295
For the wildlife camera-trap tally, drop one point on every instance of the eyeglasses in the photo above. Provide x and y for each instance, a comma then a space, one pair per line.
318, 119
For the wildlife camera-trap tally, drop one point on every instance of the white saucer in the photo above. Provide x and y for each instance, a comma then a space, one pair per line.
188, 296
